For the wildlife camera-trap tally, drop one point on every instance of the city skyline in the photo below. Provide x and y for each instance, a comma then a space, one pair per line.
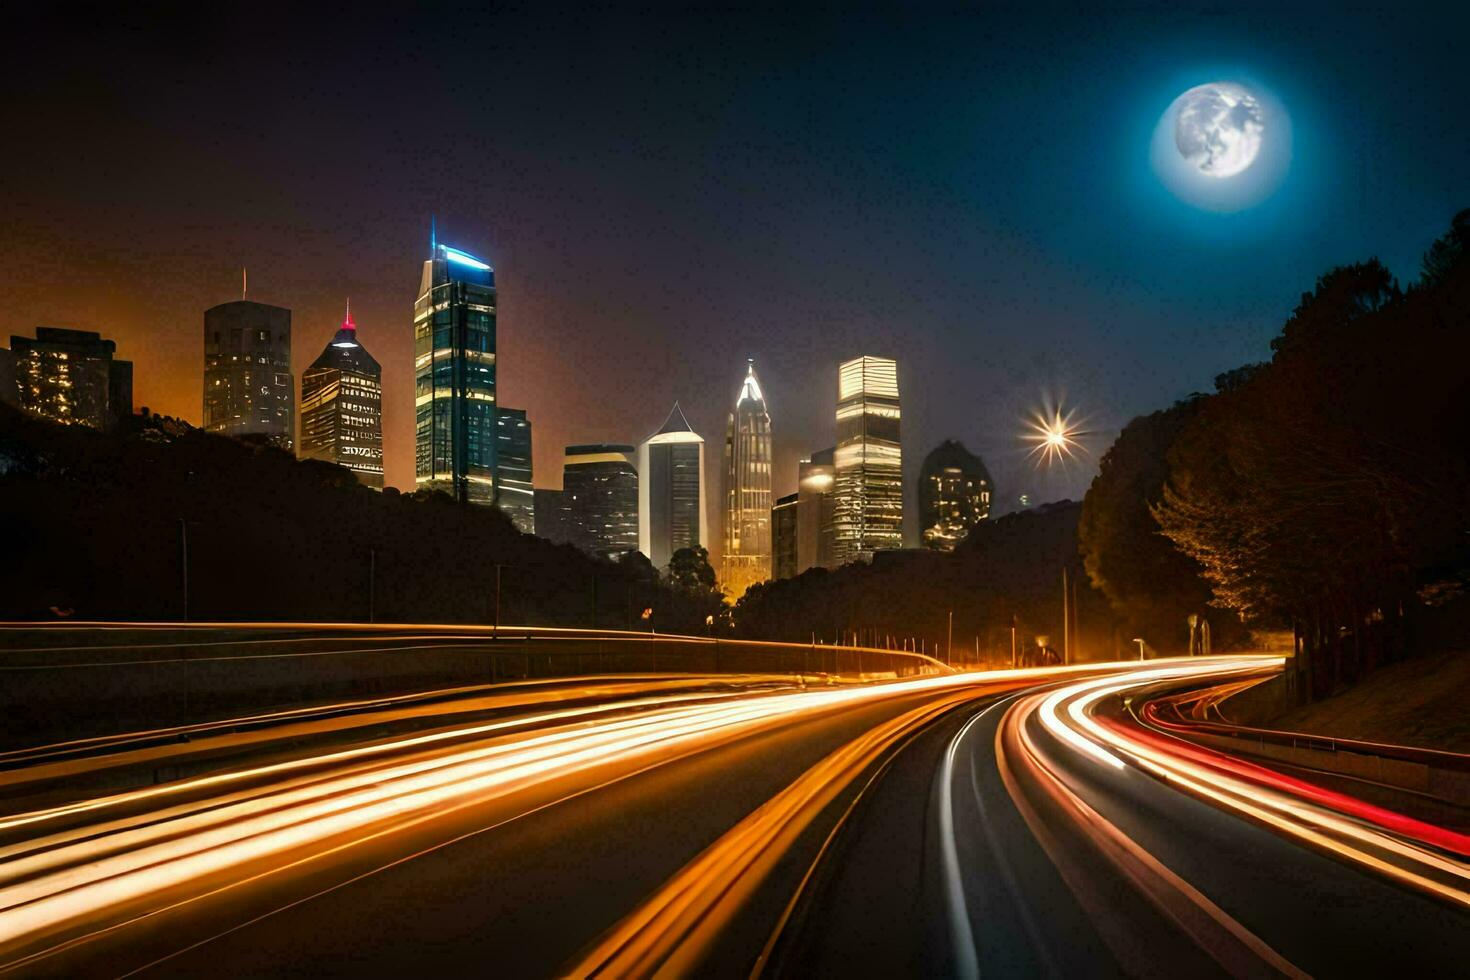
980, 497
904, 227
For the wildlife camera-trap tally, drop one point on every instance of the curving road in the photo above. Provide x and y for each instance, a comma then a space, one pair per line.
1007, 823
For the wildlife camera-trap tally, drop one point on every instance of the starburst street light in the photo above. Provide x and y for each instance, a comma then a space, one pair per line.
1055, 437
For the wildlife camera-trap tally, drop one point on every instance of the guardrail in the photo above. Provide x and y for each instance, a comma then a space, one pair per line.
73, 680
1441, 775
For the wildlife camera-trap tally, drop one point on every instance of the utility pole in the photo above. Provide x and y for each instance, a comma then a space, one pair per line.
184, 549
949, 643
498, 567
1013, 641
1076, 622
1066, 617
372, 584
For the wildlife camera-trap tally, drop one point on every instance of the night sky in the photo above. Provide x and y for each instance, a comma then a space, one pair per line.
664, 196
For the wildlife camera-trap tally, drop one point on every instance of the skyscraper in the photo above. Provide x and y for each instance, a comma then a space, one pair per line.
747, 557
248, 386
70, 376
513, 490
868, 513
342, 407
785, 517
599, 498
671, 490
954, 495
454, 376
816, 530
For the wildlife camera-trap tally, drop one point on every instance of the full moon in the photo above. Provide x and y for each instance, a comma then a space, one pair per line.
1218, 128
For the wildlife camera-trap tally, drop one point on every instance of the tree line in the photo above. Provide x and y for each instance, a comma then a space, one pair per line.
159, 518
1325, 491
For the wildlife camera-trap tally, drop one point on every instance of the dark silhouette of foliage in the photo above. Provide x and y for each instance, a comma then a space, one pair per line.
95, 522
690, 570
1151, 585
1330, 489
1447, 251
691, 575
1005, 569
1342, 296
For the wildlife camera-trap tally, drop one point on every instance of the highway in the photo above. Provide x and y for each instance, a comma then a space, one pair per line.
1010, 822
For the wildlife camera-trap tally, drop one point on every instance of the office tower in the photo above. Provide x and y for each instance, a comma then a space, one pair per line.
747, 557
600, 489
71, 377
9, 385
785, 519
868, 514
513, 491
551, 516
342, 407
671, 491
816, 530
248, 386
454, 376
954, 495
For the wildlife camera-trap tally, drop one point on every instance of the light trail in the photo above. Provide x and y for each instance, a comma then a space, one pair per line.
70, 759
92, 865
1406, 850
672, 932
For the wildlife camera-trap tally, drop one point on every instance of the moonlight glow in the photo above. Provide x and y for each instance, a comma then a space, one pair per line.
1223, 145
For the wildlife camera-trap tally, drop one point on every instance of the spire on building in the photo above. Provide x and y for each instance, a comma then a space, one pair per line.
751, 389
676, 422
347, 333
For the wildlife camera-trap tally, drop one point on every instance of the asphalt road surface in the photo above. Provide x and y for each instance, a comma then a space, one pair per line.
1013, 823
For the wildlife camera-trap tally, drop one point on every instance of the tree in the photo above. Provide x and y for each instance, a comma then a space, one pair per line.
690, 570
1149, 582
692, 579
1446, 252
1324, 490
92, 520
1342, 295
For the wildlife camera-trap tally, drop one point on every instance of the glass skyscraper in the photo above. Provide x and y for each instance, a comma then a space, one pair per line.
868, 511
248, 386
954, 495
599, 498
454, 376
747, 558
671, 505
513, 490
342, 407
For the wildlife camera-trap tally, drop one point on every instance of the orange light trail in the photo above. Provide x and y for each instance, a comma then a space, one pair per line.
92, 865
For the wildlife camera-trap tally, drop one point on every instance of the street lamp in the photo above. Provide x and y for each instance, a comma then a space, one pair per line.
1139, 641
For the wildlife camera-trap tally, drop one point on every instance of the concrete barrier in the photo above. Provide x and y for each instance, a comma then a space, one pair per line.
84, 680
